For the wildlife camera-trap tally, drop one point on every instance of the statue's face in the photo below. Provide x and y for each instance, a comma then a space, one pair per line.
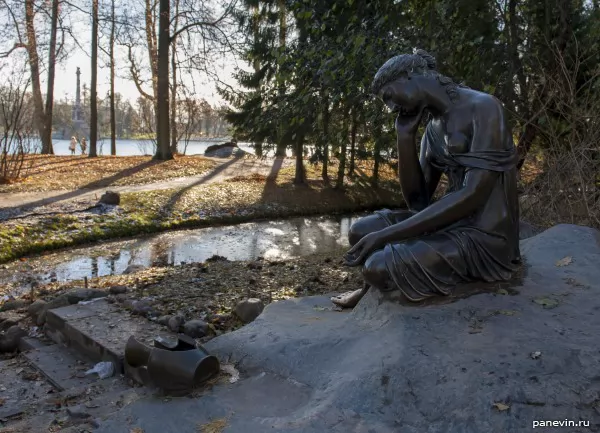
403, 96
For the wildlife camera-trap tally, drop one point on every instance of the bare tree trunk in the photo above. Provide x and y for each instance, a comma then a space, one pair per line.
343, 148
377, 154
94, 85
152, 49
258, 146
300, 175
34, 66
113, 122
324, 173
174, 102
51, 73
281, 145
353, 142
163, 148
174, 84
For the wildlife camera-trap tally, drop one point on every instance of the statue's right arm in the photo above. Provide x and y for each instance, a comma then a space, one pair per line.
410, 173
431, 174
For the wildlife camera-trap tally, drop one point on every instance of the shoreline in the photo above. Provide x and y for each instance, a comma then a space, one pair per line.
35, 250
214, 192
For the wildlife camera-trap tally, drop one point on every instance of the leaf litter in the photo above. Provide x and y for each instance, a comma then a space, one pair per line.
565, 261
211, 290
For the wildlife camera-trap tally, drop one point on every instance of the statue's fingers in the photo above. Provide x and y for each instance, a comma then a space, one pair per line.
355, 262
362, 257
351, 251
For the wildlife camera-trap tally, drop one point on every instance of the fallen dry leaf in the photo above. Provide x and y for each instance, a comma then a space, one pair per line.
215, 426
501, 406
2, 401
507, 312
565, 261
547, 303
136, 430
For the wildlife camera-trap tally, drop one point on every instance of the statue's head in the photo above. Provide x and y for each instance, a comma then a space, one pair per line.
402, 82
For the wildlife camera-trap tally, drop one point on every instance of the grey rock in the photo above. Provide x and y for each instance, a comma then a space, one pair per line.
132, 269
111, 198
10, 318
128, 303
196, 328
8, 323
36, 308
78, 412
59, 301
387, 368
81, 295
121, 298
164, 320
175, 323
249, 309
9, 342
117, 290
142, 308
14, 304
224, 150
527, 230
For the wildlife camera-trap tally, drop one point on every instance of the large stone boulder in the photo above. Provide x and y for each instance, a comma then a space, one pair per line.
493, 362
224, 150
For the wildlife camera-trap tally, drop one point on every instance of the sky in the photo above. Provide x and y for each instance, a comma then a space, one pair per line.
66, 79
79, 48
79, 56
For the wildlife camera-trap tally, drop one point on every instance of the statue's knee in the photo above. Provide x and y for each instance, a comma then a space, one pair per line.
355, 234
375, 271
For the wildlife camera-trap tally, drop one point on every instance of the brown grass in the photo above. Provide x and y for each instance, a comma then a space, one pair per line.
49, 172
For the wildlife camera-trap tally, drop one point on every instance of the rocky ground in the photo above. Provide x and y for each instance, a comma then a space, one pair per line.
202, 300
214, 292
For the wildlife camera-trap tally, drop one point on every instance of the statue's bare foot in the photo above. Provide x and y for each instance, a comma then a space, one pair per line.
349, 299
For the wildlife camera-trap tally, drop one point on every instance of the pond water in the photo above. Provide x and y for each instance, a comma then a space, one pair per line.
142, 147
146, 147
276, 239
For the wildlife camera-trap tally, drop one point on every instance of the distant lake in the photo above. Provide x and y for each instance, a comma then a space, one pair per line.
143, 147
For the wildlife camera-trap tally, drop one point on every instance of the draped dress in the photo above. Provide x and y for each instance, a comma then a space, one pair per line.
484, 246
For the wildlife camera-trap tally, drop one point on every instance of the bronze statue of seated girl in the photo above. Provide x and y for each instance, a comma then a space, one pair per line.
472, 232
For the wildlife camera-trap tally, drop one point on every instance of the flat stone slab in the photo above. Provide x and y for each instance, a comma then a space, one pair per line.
61, 366
99, 330
16, 388
494, 362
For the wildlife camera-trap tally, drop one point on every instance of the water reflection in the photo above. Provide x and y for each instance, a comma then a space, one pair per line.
277, 239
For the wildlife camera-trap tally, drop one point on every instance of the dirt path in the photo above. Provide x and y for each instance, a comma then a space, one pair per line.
225, 169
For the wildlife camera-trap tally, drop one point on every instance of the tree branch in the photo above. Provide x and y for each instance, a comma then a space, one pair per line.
15, 47
204, 23
135, 75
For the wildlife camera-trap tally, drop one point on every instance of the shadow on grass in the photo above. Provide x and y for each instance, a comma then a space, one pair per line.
204, 179
85, 188
271, 181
